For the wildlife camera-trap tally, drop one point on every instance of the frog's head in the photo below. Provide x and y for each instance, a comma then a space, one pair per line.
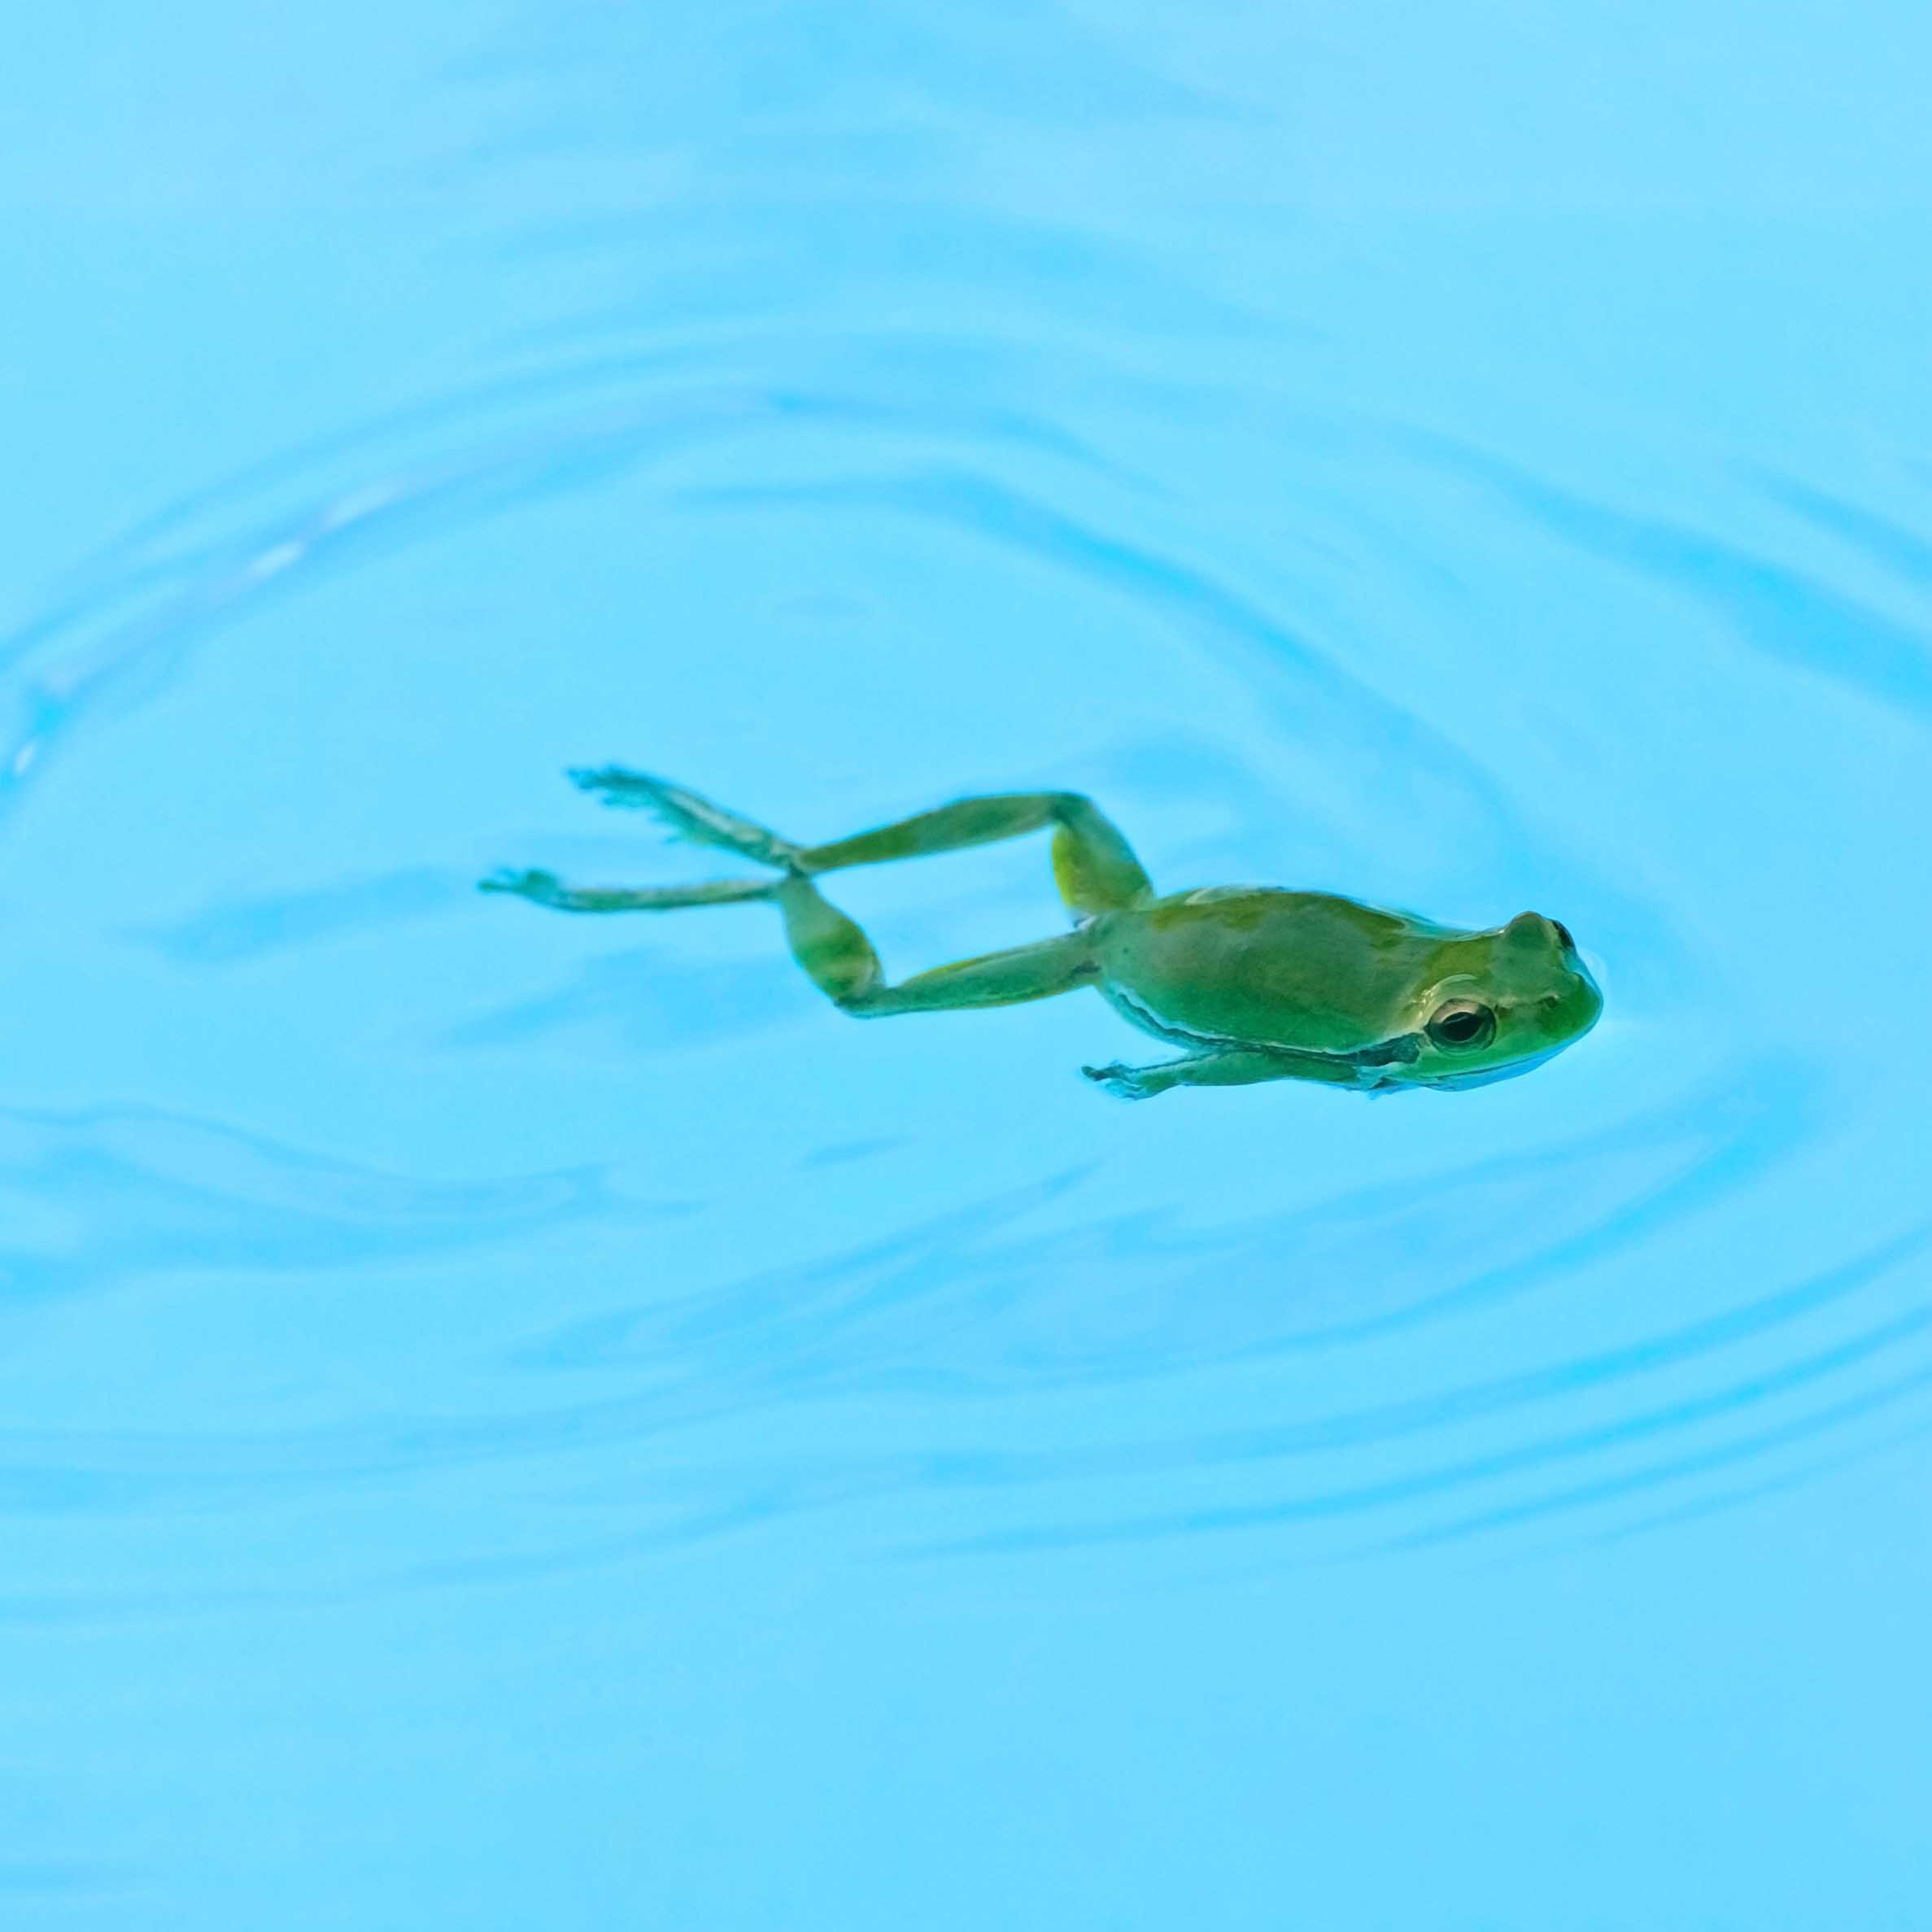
1513, 997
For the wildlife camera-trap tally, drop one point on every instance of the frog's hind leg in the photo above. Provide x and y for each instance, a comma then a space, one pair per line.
839, 960
1094, 865
832, 949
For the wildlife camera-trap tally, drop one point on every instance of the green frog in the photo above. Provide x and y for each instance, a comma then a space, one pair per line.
1250, 983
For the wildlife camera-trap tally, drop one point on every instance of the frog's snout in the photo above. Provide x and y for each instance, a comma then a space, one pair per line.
1542, 931
1580, 1001
1590, 1005
1546, 951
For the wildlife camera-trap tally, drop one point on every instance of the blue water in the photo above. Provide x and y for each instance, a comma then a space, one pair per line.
509, 1421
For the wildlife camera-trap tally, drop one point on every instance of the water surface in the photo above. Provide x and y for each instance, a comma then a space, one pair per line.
506, 1421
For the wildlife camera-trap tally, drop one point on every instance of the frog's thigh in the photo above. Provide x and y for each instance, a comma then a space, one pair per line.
1036, 972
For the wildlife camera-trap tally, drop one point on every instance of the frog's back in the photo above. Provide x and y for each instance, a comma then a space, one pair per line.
1259, 964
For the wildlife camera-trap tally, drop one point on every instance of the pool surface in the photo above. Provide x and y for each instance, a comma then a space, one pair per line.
511, 1421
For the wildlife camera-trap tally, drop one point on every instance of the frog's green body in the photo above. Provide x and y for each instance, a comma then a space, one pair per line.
1253, 983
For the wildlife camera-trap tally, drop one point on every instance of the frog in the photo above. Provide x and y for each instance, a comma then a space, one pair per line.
1250, 983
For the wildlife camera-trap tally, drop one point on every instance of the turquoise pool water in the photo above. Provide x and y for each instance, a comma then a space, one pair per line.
509, 1421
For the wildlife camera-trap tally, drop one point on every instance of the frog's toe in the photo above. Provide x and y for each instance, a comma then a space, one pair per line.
1123, 1082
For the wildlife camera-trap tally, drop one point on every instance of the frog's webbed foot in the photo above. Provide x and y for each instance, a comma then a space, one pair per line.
1124, 1082
541, 888
687, 815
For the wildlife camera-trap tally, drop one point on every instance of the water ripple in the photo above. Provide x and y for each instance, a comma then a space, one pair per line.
1569, 1445
950, 1320
1782, 613
95, 1198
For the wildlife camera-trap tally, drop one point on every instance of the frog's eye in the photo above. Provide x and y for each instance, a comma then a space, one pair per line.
1563, 937
1463, 1024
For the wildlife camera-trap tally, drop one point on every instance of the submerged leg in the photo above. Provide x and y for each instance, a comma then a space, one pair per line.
1094, 866
840, 960
1237, 1067
546, 888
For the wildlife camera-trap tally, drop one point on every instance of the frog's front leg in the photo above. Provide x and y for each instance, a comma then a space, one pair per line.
1233, 1067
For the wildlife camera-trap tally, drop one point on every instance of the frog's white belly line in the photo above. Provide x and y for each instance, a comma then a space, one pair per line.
1137, 1012
1371, 1069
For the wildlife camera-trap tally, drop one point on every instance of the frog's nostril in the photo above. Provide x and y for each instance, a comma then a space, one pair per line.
1564, 938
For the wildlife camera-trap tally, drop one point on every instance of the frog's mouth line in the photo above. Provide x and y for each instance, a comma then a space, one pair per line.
1405, 1049
1488, 1076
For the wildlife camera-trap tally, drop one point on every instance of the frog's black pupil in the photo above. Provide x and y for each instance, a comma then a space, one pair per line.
1463, 1022
1563, 937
